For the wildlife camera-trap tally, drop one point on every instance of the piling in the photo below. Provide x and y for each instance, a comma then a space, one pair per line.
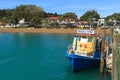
113, 56
102, 62
116, 58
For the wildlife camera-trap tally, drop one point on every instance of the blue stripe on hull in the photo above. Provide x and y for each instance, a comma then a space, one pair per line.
82, 62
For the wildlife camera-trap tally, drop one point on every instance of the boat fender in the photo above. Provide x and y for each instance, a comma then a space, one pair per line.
71, 51
83, 45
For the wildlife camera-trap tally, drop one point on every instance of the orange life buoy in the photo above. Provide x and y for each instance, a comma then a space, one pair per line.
83, 45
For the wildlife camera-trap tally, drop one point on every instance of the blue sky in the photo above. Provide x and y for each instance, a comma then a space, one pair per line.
103, 7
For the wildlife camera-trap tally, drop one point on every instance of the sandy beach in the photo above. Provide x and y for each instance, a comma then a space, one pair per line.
45, 30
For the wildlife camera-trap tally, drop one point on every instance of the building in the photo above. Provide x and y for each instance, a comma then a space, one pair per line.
101, 22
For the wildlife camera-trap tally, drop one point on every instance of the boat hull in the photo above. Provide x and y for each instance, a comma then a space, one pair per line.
81, 62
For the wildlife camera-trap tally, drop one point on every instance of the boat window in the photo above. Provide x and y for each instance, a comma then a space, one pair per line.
90, 39
84, 37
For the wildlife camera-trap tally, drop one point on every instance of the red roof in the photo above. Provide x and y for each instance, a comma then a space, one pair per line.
1, 23
53, 18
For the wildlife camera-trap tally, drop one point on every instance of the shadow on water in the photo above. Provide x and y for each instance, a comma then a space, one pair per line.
89, 73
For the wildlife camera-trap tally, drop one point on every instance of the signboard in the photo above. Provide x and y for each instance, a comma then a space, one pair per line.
85, 31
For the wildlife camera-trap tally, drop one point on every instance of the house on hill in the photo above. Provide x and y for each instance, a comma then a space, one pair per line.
2, 24
53, 21
22, 23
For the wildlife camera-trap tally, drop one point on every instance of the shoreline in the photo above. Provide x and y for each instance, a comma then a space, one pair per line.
40, 30
45, 30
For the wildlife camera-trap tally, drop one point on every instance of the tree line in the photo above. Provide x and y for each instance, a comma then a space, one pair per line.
33, 15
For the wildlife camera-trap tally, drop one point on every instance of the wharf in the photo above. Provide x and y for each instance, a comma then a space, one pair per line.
113, 59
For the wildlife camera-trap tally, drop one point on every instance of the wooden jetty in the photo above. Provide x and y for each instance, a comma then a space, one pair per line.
112, 59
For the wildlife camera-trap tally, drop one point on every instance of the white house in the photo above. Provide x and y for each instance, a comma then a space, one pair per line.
101, 22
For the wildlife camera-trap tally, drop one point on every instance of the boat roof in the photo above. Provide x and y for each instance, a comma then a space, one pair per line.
84, 34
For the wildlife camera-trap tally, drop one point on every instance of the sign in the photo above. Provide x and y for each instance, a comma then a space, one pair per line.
85, 31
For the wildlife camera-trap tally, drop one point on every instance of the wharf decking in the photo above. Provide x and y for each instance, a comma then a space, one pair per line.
113, 60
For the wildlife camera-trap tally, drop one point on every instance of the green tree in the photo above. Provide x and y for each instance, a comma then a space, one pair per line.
51, 14
113, 19
115, 16
6, 15
68, 15
89, 15
31, 14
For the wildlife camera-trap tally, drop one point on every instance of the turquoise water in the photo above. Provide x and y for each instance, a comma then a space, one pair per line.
25, 56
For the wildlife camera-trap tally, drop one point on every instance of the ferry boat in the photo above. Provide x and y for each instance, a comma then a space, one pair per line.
85, 50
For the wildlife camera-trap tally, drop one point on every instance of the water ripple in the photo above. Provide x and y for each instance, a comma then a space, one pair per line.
10, 58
